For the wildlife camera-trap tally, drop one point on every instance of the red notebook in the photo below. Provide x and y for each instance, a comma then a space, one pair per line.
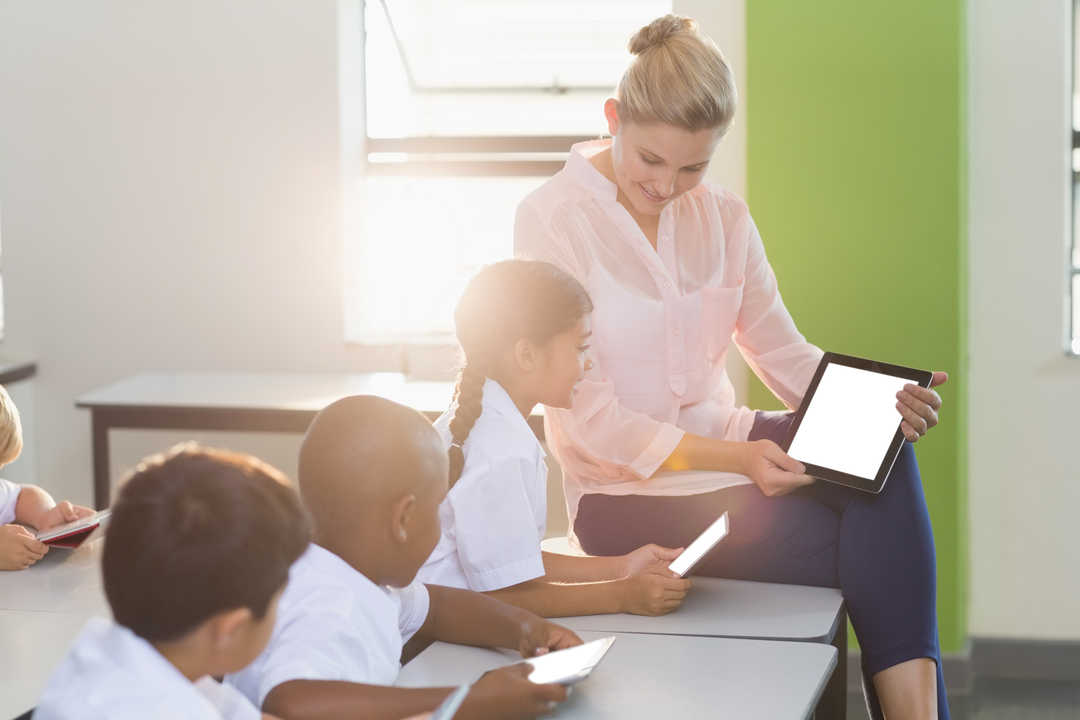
74, 533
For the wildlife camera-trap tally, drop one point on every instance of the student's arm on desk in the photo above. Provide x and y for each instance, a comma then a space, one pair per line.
468, 618
503, 694
37, 507
334, 699
638, 583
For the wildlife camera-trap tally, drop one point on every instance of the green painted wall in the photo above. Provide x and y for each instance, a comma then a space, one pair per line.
856, 181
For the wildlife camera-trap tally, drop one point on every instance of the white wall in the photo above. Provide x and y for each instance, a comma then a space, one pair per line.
170, 177
1024, 393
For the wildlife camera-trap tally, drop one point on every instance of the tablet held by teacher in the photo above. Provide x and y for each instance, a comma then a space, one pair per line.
655, 449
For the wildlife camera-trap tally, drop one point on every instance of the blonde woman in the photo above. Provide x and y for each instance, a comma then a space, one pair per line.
676, 268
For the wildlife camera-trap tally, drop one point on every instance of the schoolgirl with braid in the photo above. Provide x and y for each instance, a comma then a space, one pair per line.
524, 329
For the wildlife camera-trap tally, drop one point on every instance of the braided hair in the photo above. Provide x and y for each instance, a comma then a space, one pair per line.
503, 303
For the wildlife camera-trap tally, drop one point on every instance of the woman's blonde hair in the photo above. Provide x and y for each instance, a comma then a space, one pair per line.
11, 440
677, 78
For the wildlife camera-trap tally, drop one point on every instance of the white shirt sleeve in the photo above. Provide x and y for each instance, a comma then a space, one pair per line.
497, 540
766, 333
323, 644
9, 498
228, 700
415, 603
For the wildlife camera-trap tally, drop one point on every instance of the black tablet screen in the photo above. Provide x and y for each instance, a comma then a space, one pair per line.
564, 663
850, 422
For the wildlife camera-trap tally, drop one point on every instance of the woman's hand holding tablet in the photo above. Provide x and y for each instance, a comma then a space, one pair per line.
919, 407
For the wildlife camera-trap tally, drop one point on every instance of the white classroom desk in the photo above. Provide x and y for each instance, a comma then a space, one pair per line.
735, 609
42, 609
33, 643
724, 608
64, 581
664, 676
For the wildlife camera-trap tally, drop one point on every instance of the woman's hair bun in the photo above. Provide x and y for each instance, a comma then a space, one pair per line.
659, 30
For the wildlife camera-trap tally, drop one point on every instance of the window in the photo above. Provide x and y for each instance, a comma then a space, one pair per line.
471, 104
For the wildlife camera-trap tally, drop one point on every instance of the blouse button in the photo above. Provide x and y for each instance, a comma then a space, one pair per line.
676, 332
663, 239
667, 284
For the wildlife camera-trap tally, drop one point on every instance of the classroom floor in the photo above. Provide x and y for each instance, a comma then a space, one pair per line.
999, 699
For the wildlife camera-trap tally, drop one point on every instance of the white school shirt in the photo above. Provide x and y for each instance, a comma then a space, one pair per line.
662, 322
334, 624
112, 673
9, 498
494, 517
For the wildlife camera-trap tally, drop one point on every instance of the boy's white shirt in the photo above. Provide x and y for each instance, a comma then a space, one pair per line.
334, 624
9, 498
112, 673
494, 517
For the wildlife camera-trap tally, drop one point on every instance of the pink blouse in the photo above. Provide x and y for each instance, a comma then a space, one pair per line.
662, 323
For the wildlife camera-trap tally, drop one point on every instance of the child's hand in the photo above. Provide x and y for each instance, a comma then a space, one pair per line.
648, 556
64, 512
18, 548
653, 591
508, 694
538, 637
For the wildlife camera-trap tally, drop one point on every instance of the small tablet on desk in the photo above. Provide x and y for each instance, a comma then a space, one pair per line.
847, 429
565, 667
75, 533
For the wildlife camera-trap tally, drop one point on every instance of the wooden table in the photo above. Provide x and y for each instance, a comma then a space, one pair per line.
253, 402
648, 677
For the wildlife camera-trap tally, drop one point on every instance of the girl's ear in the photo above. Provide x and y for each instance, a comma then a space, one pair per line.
611, 112
527, 356
399, 518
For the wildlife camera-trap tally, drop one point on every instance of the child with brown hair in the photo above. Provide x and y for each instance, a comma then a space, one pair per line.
197, 555
525, 327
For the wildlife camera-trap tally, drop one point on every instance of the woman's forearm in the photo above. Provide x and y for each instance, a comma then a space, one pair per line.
695, 452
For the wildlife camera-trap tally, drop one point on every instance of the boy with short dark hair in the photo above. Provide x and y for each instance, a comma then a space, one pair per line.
372, 475
196, 556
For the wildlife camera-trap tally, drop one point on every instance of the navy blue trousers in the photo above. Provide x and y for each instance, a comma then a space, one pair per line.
878, 549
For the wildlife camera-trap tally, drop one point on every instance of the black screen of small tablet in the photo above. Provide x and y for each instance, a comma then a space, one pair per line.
552, 666
850, 422
700, 546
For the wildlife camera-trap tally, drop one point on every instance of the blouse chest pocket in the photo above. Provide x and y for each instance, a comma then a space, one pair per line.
719, 313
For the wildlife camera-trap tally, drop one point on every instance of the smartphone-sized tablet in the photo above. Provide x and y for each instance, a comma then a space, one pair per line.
448, 708
565, 667
75, 533
701, 548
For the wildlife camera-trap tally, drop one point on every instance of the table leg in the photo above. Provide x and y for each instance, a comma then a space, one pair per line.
833, 702
100, 429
